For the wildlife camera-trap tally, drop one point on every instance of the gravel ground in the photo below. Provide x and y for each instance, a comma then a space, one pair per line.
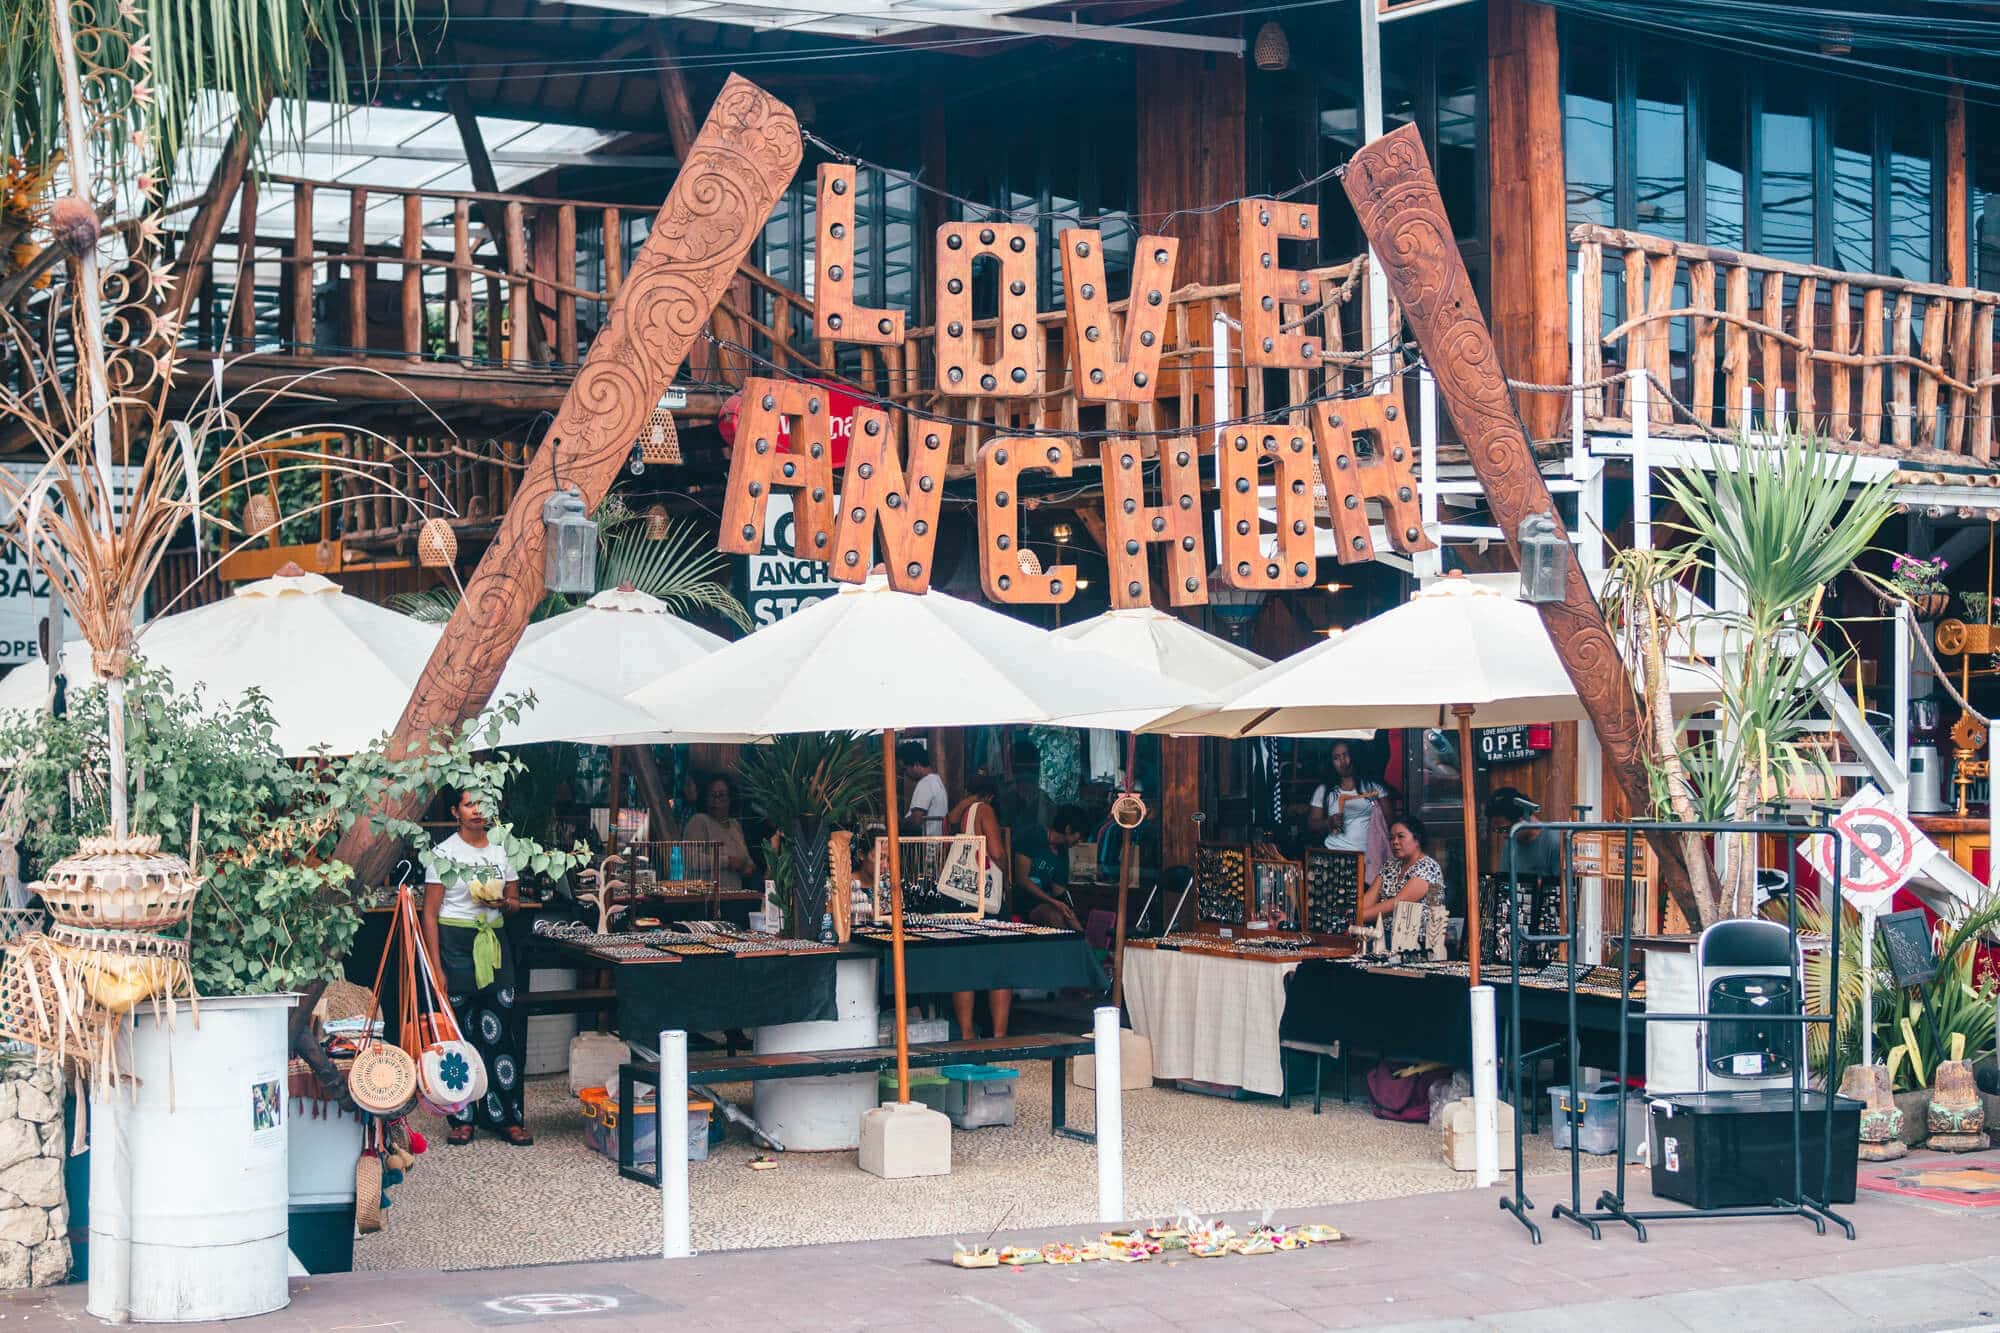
492, 1204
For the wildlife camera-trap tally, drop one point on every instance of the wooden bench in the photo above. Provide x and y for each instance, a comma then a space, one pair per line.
1057, 1049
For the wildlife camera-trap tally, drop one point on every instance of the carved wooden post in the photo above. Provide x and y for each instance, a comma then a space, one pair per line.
741, 162
1396, 198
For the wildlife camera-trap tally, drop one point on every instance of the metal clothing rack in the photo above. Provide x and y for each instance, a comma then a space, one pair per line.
1610, 1205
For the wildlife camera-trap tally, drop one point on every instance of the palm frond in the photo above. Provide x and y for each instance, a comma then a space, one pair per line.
433, 606
682, 569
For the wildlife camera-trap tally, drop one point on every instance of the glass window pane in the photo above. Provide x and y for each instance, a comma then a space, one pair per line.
1785, 192
1854, 184
1587, 140
1722, 169
1660, 172
1910, 191
1461, 61
1985, 170
898, 288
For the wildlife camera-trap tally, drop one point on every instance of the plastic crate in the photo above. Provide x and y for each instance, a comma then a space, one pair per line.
976, 1096
1597, 1131
600, 1130
926, 1088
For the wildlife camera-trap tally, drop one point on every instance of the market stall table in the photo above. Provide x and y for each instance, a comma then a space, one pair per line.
1044, 962
708, 992
1211, 1017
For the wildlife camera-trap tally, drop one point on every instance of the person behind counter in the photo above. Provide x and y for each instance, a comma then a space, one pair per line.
1349, 807
974, 814
1041, 869
469, 891
1409, 876
929, 802
718, 823
1531, 850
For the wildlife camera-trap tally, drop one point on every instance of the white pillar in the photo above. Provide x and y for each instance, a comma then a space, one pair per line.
1993, 809
1867, 985
1428, 564
1900, 685
1110, 1119
1485, 1091
1638, 389
673, 1145
1378, 330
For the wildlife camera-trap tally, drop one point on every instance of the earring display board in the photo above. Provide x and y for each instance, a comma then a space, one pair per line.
1277, 892
1333, 882
944, 877
1222, 883
1541, 914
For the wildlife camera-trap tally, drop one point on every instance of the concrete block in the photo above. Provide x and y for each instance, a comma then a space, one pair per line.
903, 1140
1459, 1128
1135, 1063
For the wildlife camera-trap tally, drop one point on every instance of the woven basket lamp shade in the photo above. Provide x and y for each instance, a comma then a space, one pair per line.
1272, 50
659, 441
437, 545
1030, 562
260, 515
656, 523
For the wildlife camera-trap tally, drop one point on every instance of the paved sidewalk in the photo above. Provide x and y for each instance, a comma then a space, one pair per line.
1442, 1259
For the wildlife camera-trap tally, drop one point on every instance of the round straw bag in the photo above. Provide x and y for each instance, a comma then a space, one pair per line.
383, 1080
451, 1076
368, 1193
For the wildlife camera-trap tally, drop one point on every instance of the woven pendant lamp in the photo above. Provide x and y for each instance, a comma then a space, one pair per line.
437, 545
260, 515
659, 440
1030, 562
656, 523
1272, 49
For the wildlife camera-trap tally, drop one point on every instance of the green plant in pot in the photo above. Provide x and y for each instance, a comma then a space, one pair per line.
807, 786
1915, 1026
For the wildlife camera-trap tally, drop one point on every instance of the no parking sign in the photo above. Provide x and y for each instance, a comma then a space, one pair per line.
1879, 849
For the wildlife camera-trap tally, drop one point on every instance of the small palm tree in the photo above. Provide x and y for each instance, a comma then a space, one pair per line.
681, 568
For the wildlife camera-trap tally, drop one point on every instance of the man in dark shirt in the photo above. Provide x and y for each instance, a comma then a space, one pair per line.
1041, 869
1530, 849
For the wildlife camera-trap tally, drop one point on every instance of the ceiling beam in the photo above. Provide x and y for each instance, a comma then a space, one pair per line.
456, 156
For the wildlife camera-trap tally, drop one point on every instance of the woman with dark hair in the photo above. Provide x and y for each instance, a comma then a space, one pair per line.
974, 815
470, 889
1409, 876
717, 823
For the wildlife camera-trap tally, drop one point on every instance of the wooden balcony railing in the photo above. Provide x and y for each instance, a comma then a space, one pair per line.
1867, 361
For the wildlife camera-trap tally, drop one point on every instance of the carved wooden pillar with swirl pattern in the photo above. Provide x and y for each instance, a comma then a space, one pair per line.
1396, 198
743, 159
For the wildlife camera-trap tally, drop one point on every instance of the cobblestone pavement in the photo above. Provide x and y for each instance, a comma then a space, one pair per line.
1440, 1259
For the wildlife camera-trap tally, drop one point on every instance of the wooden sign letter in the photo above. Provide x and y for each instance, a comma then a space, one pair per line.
835, 315
877, 490
1244, 563
1130, 524
1111, 369
1388, 475
757, 465
1268, 289
961, 370
1001, 463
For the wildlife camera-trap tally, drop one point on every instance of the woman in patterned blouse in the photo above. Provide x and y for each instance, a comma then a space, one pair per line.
1409, 877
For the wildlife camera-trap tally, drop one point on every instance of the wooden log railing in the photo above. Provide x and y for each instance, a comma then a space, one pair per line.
1870, 362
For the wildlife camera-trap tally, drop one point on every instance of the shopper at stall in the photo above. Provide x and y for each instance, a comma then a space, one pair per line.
1352, 809
469, 891
1041, 869
1531, 850
1409, 876
717, 823
974, 815
929, 803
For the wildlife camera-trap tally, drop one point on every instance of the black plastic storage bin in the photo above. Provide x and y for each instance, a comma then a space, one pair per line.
1734, 1149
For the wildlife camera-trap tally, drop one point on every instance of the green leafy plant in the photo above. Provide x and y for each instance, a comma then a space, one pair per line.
277, 911
1915, 1027
806, 786
1912, 576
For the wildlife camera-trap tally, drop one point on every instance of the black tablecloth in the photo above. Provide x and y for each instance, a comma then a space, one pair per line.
1426, 1016
1030, 962
711, 994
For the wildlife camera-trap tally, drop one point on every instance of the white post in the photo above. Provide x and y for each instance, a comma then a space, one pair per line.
1378, 331
1867, 984
1110, 1118
1429, 564
1485, 1091
1637, 390
1578, 456
1992, 809
673, 1145
1224, 407
1900, 707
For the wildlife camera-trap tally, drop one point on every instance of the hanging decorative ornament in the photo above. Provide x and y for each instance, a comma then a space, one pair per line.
656, 523
119, 884
1272, 50
1030, 562
260, 515
659, 440
569, 561
437, 545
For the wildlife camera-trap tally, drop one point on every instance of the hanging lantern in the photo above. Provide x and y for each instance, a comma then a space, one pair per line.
570, 553
1030, 563
260, 515
1545, 556
659, 441
656, 523
437, 545
1273, 50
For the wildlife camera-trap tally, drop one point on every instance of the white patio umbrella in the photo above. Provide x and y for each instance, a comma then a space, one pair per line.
873, 659
1456, 650
337, 670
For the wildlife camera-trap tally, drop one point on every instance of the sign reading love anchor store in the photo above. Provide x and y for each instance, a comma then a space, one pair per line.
882, 505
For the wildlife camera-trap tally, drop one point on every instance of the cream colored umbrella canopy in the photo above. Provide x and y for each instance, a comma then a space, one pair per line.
337, 670
1154, 641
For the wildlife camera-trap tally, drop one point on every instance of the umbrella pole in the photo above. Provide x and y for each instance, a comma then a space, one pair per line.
1125, 869
896, 917
1463, 712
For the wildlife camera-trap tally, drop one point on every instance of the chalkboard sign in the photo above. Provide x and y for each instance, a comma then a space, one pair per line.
1907, 937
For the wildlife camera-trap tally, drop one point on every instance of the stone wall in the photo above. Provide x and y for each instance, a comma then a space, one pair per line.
34, 1216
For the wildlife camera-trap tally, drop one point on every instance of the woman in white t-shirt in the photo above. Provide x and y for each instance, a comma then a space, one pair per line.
469, 891
1351, 804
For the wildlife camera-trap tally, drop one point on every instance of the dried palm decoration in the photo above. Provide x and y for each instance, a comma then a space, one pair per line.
659, 440
437, 544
